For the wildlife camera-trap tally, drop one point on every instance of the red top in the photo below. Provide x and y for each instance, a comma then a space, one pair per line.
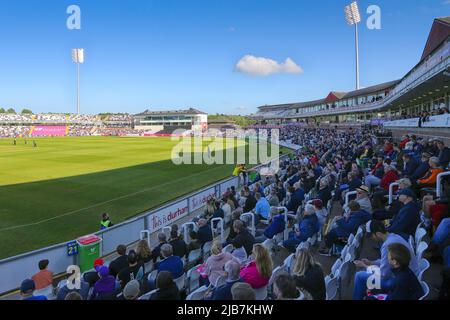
390, 177
88, 239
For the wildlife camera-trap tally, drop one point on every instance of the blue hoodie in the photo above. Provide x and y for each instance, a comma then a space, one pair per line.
296, 200
421, 170
277, 226
308, 227
406, 220
350, 225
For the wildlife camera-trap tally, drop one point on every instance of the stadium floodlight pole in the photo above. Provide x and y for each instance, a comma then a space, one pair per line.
78, 58
353, 18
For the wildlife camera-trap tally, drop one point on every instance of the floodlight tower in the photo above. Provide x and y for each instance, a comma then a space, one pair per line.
78, 58
353, 18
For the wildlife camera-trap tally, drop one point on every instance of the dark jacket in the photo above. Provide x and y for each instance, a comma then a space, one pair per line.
277, 226
250, 203
355, 183
118, 265
444, 157
156, 253
324, 195
313, 281
179, 247
170, 294
204, 234
406, 221
223, 293
246, 239
410, 167
421, 170
296, 200
406, 286
172, 264
347, 226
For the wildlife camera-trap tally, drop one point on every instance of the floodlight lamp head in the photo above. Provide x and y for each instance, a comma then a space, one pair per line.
352, 13
78, 56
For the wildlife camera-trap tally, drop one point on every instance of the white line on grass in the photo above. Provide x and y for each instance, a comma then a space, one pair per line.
102, 203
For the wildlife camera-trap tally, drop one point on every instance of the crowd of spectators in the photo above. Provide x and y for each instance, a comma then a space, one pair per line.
329, 164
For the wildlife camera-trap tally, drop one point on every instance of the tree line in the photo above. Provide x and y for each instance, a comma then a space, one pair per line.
12, 110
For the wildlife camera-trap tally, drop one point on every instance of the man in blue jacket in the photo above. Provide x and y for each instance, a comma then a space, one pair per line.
346, 226
307, 227
422, 169
406, 221
276, 226
410, 165
296, 198
171, 263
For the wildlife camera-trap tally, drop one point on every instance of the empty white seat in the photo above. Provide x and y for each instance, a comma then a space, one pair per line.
424, 265
422, 246
332, 287
229, 248
426, 290
198, 294
147, 295
194, 256
420, 234
261, 293
192, 281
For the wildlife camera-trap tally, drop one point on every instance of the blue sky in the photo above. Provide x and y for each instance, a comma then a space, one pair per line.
166, 54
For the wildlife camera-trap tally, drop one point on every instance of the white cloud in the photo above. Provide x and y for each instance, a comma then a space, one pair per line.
259, 66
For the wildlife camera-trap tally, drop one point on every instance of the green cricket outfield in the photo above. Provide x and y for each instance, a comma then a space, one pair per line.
58, 190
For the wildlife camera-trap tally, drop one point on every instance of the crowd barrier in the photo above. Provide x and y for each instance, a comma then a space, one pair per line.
15, 269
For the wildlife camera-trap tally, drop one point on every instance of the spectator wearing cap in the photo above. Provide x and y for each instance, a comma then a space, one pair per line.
306, 228
26, 291
63, 288
422, 169
105, 286
170, 263
346, 226
44, 278
378, 231
406, 221
444, 154
91, 277
362, 197
430, 177
132, 290
166, 288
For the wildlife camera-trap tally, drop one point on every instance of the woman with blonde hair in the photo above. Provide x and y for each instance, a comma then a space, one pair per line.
258, 272
143, 251
308, 274
214, 266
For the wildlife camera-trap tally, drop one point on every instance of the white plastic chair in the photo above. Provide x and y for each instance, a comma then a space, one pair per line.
332, 287
181, 282
288, 262
350, 240
192, 279
229, 248
424, 265
207, 249
261, 293
426, 290
194, 256
147, 295
422, 246
411, 243
420, 234
152, 276
198, 294
336, 268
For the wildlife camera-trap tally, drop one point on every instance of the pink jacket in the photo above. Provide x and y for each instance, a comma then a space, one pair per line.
250, 275
214, 266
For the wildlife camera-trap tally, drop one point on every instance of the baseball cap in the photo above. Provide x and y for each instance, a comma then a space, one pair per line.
131, 290
98, 263
363, 189
406, 192
27, 285
103, 271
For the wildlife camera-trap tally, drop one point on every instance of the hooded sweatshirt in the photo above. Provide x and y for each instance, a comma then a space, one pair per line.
214, 266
